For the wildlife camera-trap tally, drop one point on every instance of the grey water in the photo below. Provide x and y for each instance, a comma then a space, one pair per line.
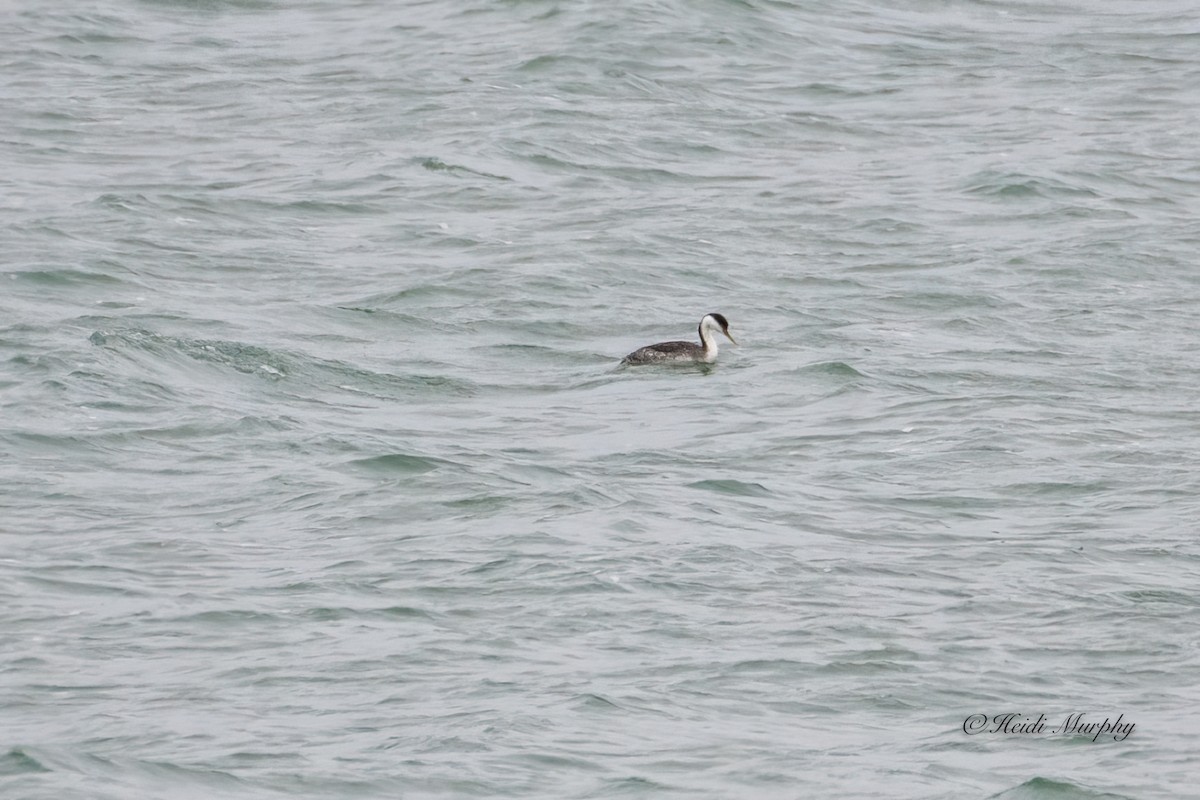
319, 476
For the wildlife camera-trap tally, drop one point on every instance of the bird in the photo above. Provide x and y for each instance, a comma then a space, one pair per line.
685, 352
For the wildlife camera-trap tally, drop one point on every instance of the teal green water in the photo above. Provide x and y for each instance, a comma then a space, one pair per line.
320, 477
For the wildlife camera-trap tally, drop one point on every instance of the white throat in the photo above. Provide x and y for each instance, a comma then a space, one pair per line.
708, 339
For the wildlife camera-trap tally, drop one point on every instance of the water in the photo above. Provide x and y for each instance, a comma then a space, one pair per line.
320, 479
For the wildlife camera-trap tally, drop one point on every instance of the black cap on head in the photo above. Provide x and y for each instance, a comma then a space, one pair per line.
720, 318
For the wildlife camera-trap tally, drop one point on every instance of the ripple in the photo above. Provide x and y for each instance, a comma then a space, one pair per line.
398, 463
732, 487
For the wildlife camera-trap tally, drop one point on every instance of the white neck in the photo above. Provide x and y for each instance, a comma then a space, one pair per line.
708, 340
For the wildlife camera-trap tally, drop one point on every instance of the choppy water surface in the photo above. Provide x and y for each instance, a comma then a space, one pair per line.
320, 479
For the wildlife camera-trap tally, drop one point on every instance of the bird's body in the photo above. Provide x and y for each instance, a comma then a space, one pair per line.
685, 352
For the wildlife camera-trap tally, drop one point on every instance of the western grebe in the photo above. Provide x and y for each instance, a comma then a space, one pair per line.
704, 353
